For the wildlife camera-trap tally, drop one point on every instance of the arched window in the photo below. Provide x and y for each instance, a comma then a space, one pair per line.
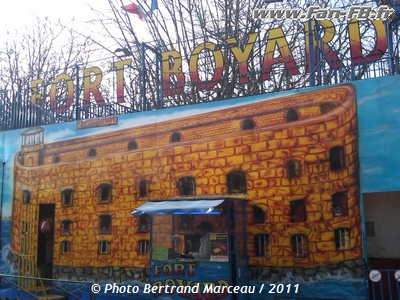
92, 152
299, 245
293, 168
297, 211
247, 124
132, 145
336, 158
342, 238
186, 186
260, 244
65, 247
104, 247
236, 182
339, 204
325, 107
291, 115
56, 159
66, 227
104, 193
105, 224
144, 223
26, 196
144, 189
67, 197
143, 247
175, 137
258, 214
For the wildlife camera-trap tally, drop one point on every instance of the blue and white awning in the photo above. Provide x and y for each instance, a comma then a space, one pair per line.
177, 207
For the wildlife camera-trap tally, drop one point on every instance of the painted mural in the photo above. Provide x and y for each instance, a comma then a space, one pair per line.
68, 190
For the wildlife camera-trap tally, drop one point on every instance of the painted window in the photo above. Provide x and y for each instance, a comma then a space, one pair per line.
260, 244
336, 158
297, 211
291, 115
144, 189
104, 193
26, 196
25, 226
67, 197
339, 204
144, 223
236, 182
325, 107
66, 227
258, 214
104, 247
65, 247
175, 137
132, 145
293, 168
299, 245
247, 124
342, 238
105, 224
92, 152
143, 247
186, 186
23, 246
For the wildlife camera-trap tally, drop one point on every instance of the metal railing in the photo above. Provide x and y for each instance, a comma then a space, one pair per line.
328, 66
386, 288
41, 288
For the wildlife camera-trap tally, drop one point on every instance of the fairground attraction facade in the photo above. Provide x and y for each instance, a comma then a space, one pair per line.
301, 186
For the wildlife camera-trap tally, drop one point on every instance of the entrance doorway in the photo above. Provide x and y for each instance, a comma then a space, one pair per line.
45, 241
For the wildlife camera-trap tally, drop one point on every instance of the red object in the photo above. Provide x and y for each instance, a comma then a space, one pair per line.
134, 9
46, 227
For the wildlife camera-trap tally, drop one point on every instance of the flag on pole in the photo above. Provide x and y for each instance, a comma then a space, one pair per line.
139, 11
135, 9
154, 5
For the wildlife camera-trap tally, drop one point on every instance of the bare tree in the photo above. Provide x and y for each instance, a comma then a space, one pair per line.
182, 25
41, 51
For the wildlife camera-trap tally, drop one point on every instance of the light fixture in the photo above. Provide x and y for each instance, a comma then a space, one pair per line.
121, 52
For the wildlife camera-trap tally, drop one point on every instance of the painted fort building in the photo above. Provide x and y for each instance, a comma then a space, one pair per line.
294, 160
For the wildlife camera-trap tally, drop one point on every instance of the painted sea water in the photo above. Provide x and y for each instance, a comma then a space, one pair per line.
5, 267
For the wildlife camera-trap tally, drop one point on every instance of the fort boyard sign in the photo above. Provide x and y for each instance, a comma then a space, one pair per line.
173, 77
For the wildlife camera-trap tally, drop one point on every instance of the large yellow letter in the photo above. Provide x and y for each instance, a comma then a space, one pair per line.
93, 86
329, 33
194, 72
277, 40
355, 41
70, 95
243, 56
171, 65
34, 90
119, 66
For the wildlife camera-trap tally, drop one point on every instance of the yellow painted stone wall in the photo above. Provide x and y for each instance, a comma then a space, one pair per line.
211, 146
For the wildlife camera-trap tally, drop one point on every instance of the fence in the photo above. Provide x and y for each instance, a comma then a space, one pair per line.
322, 66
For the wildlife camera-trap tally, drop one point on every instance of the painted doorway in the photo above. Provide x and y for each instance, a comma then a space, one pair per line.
45, 241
